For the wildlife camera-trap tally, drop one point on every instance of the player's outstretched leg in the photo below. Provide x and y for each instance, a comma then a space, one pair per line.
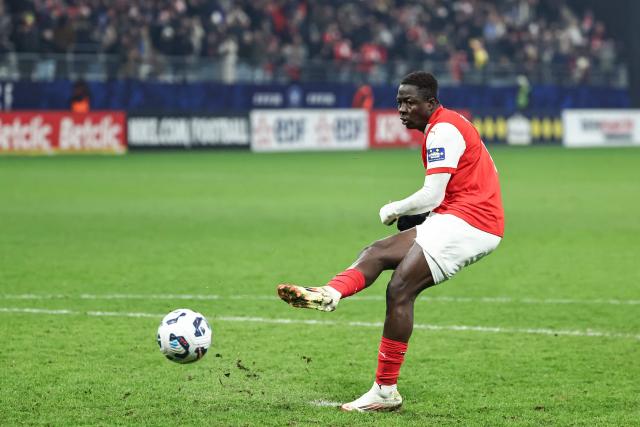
385, 254
410, 278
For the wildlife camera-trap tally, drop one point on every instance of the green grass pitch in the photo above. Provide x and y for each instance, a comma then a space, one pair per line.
94, 250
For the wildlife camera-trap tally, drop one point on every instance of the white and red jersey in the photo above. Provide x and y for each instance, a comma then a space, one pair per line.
452, 145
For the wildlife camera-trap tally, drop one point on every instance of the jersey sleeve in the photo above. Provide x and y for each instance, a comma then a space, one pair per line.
445, 145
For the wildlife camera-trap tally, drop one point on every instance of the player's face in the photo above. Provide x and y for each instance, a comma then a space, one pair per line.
414, 110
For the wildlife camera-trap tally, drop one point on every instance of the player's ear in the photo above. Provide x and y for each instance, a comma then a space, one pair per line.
432, 104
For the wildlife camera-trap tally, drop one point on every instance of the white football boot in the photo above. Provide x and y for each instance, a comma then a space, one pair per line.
380, 398
324, 298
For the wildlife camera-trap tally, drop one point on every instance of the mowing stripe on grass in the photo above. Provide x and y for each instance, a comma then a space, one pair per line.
442, 299
241, 319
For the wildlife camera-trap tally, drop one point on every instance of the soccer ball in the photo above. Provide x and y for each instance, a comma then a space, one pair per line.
184, 336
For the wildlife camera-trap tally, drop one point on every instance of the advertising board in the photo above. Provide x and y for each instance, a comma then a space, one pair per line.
189, 131
309, 130
34, 132
387, 131
601, 128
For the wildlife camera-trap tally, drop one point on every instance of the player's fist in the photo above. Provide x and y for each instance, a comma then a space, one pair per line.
389, 213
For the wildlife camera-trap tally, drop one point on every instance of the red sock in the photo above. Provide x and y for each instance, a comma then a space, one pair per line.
390, 358
348, 282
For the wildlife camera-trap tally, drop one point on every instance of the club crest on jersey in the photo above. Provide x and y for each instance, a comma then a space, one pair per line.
435, 154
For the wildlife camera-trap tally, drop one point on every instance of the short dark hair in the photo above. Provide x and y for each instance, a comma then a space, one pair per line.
425, 82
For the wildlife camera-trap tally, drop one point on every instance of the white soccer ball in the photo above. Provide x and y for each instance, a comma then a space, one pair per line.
184, 336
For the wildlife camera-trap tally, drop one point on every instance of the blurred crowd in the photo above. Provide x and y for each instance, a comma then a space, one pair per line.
285, 36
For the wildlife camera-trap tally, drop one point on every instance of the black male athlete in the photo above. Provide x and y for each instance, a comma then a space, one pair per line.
466, 222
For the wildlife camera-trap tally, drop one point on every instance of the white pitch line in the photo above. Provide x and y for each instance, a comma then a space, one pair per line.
150, 296
213, 297
430, 327
35, 311
122, 314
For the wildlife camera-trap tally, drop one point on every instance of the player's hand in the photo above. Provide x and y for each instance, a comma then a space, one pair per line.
388, 213
406, 222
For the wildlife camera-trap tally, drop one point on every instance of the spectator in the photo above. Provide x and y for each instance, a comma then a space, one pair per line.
80, 101
363, 98
26, 37
229, 51
480, 54
354, 35
5, 30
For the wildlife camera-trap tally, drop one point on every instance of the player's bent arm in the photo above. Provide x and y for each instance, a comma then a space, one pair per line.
427, 198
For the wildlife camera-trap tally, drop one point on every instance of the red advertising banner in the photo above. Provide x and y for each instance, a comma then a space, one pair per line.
387, 131
34, 132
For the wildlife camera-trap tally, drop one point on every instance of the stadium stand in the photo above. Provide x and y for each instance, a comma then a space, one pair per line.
472, 41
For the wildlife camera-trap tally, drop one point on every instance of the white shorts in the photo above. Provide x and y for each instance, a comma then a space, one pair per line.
450, 243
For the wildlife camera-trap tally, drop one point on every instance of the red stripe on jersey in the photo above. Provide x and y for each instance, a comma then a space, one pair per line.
473, 192
441, 170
